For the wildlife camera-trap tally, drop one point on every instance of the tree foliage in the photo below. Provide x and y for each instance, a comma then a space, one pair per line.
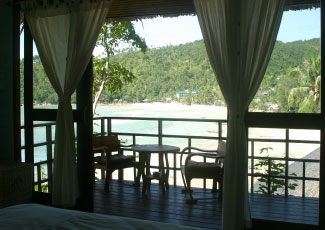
272, 170
108, 76
305, 97
118, 75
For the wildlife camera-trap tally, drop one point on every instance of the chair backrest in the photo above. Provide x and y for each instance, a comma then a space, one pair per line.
222, 147
109, 141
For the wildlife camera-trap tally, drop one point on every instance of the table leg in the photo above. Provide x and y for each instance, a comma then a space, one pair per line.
142, 161
140, 171
167, 171
162, 172
148, 172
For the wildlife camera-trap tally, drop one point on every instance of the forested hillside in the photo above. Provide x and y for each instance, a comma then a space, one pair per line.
160, 72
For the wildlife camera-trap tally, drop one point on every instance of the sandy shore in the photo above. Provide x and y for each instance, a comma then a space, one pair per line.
172, 105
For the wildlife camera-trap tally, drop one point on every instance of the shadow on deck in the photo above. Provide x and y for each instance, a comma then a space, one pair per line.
271, 211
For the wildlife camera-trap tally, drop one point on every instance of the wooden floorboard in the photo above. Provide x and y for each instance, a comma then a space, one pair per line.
124, 199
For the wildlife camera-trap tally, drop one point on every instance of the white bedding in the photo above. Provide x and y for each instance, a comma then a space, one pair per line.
39, 217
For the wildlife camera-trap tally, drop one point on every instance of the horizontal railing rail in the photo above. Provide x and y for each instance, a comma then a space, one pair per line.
43, 169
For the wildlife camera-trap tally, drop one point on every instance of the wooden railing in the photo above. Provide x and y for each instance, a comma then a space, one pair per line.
286, 177
106, 127
43, 169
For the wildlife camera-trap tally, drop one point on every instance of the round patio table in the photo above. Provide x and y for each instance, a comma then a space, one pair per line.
144, 163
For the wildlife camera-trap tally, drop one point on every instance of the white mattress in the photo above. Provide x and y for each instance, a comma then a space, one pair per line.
39, 217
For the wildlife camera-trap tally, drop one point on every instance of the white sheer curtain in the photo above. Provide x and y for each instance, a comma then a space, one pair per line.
239, 36
65, 34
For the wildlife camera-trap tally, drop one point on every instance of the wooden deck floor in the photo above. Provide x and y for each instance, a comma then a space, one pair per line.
126, 200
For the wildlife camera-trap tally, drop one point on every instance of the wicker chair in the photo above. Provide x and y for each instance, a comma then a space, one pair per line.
110, 162
206, 170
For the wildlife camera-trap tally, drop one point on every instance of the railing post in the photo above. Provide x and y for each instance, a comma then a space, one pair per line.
286, 163
39, 178
134, 155
205, 180
109, 126
303, 178
160, 141
49, 155
189, 145
220, 130
160, 131
252, 165
102, 127
269, 177
175, 174
102, 133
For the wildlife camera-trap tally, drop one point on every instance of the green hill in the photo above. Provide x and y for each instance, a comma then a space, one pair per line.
162, 71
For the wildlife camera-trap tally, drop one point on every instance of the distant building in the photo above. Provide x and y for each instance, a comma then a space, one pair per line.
184, 93
168, 99
181, 94
145, 101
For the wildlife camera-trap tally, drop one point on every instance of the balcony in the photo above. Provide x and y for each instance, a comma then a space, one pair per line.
298, 208
126, 200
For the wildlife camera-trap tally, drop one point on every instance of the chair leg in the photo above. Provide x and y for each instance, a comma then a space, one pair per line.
214, 186
102, 174
161, 183
191, 200
220, 190
107, 180
120, 175
186, 189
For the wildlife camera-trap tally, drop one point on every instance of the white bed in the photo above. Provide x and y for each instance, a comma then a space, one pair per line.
39, 217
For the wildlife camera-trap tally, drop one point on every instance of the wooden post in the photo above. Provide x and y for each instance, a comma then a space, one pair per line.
84, 133
28, 94
16, 83
322, 139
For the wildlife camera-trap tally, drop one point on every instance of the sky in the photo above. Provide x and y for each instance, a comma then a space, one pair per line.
295, 25
158, 32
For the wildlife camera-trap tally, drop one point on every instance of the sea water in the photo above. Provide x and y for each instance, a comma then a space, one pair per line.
149, 110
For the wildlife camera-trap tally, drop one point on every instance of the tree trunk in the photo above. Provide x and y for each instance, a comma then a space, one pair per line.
101, 88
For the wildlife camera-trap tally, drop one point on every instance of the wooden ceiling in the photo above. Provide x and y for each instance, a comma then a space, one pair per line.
150, 8
137, 9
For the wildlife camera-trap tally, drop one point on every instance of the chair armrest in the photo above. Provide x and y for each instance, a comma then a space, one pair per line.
103, 149
219, 157
126, 146
201, 150
208, 155
99, 149
205, 153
